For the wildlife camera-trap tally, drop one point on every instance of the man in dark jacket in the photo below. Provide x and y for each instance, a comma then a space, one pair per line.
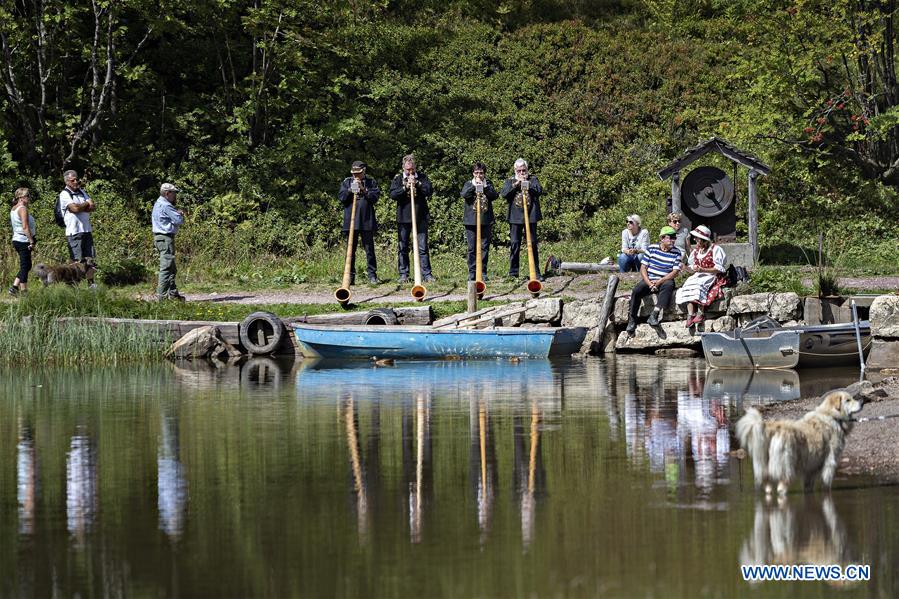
473, 202
399, 191
512, 193
365, 225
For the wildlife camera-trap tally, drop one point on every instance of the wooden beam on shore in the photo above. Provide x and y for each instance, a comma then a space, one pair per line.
417, 315
165, 331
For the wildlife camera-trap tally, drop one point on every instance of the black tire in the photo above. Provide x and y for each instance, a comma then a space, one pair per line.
261, 333
380, 316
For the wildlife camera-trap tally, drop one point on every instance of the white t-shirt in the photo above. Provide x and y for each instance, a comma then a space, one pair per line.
79, 222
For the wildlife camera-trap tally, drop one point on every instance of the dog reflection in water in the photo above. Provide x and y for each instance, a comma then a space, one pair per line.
801, 530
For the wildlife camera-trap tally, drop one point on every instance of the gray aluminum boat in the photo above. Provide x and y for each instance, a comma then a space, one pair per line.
763, 343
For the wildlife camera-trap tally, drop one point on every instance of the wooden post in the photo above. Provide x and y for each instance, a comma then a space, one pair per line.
608, 304
753, 215
472, 296
675, 192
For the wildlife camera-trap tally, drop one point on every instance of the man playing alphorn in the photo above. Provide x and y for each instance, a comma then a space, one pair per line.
469, 194
512, 193
366, 224
399, 191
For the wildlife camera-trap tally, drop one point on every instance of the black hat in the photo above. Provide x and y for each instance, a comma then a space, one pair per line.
358, 167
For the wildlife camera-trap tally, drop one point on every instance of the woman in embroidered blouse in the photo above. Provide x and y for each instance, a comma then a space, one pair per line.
706, 284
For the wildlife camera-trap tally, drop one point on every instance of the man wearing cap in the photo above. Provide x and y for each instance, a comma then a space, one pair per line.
365, 223
76, 206
511, 191
166, 221
660, 264
399, 190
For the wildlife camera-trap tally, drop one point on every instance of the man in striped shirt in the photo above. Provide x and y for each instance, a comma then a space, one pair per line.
660, 264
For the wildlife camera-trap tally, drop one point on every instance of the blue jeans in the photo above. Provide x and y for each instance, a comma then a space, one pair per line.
628, 263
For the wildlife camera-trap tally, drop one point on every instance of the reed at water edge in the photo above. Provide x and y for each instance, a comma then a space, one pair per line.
31, 335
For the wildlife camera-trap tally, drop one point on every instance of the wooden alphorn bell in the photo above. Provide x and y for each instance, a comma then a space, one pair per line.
343, 293
418, 290
479, 285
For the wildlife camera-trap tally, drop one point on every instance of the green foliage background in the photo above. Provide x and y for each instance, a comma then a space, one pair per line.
257, 109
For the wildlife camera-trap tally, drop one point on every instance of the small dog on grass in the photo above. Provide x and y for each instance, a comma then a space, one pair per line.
70, 274
783, 451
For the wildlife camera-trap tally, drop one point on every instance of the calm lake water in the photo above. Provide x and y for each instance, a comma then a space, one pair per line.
601, 477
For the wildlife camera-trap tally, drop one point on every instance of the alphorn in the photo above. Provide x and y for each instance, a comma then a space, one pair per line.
534, 285
418, 290
343, 293
479, 285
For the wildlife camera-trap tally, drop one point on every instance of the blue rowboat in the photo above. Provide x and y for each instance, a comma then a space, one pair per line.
426, 343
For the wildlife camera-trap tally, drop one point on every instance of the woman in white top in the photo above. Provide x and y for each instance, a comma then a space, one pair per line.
633, 243
22, 237
706, 284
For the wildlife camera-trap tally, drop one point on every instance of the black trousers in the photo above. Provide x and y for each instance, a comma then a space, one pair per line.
24, 260
368, 244
471, 235
641, 290
404, 234
517, 237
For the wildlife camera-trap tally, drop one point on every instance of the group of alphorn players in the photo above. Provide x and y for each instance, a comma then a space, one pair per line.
411, 189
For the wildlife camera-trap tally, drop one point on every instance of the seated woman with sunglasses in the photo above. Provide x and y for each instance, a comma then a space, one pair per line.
682, 242
633, 243
706, 284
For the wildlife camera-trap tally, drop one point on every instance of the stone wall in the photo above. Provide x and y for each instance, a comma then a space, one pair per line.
723, 315
884, 317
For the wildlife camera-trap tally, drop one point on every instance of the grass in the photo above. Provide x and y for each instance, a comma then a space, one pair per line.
30, 333
39, 339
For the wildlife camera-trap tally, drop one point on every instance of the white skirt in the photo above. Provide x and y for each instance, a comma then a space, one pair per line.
695, 288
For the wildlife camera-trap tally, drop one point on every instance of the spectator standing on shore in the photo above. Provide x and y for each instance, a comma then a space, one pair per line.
76, 206
166, 221
23, 237
633, 244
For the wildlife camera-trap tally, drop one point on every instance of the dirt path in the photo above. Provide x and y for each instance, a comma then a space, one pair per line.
578, 286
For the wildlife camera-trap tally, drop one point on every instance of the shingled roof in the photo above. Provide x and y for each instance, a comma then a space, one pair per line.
715, 144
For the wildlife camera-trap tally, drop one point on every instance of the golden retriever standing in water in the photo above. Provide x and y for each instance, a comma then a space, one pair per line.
786, 450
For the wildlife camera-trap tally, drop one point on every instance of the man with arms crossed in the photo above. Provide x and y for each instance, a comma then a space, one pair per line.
76, 207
